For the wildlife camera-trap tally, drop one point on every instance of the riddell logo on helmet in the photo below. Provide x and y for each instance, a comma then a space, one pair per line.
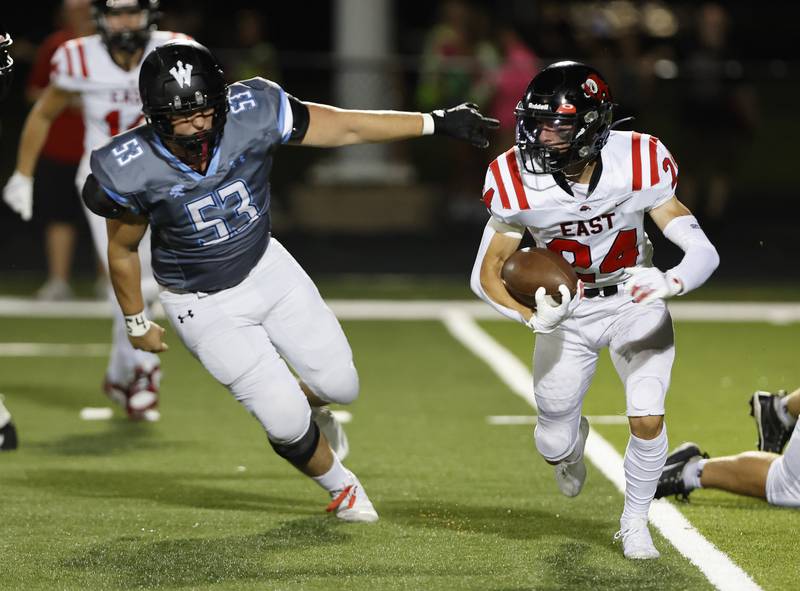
182, 74
596, 88
539, 106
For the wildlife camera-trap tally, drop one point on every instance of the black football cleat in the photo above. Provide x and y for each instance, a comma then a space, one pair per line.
671, 481
772, 433
8, 434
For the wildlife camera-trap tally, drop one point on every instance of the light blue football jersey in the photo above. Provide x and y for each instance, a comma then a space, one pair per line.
208, 230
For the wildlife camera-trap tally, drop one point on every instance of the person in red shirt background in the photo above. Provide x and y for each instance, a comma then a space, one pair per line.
56, 200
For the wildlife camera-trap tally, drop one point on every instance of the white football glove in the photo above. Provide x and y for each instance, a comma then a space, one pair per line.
18, 195
549, 315
646, 284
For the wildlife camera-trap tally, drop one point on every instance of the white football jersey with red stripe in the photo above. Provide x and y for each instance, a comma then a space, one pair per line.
110, 95
603, 233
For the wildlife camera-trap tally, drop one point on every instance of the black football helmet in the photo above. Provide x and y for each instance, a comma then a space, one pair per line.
564, 118
128, 41
6, 64
179, 78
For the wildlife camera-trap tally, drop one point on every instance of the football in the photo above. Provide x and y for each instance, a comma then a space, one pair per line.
528, 269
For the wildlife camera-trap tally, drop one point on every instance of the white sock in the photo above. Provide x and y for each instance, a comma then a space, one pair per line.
336, 478
644, 462
783, 412
692, 472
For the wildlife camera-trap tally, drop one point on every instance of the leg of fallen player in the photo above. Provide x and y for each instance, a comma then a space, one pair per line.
743, 474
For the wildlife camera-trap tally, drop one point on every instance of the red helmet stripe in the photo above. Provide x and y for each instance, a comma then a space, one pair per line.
495, 168
636, 157
654, 176
516, 179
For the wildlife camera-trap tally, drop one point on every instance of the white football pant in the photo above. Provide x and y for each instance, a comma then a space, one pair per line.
641, 344
124, 359
248, 336
783, 478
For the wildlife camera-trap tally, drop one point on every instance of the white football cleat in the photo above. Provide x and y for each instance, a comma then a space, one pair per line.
352, 504
637, 544
571, 472
332, 429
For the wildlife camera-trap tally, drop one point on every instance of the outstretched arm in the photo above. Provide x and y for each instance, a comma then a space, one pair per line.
331, 127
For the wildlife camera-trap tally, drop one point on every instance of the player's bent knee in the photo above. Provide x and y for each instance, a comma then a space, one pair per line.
337, 384
554, 440
646, 427
300, 451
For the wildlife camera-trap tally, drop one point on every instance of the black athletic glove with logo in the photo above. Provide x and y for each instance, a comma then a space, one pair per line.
464, 122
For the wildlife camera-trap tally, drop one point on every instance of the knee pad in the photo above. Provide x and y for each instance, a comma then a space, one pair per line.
645, 396
300, 451
555, 439
338, 384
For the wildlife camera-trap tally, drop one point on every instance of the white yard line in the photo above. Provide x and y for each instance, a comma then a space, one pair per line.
54, 350
718, 568
773, 312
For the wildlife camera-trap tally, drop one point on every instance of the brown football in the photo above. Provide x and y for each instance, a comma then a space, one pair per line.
528, 269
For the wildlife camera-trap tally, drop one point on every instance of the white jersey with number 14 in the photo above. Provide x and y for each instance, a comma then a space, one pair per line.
110, 94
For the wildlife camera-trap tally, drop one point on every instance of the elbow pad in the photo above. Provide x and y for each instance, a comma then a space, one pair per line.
700, 258
98, 201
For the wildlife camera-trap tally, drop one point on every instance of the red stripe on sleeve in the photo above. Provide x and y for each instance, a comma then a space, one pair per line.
69, 60
82, 55
636, 153
495, 168
654, 176
487, 197
516, 179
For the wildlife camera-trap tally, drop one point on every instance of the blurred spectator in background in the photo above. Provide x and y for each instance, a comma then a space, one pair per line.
458, 64
255, 56
719, 112
519, 65
55, 196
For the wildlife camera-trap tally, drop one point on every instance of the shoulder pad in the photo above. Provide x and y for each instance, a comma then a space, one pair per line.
99, 201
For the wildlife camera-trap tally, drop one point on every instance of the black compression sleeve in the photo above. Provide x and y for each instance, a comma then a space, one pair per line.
300, 119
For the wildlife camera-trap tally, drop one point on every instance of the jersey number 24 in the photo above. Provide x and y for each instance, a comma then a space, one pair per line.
623, 253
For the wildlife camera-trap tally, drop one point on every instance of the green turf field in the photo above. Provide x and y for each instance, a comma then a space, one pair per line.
199, 500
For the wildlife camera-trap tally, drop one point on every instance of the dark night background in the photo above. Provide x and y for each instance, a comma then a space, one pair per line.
754, 229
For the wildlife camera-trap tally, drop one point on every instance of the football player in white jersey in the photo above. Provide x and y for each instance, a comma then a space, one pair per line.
8, 433
102, 71
581, 189
763, 474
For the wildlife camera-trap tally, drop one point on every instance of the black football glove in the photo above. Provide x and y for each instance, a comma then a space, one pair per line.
464, 122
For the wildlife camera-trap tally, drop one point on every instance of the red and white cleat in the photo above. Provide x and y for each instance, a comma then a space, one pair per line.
139, 398
352, 504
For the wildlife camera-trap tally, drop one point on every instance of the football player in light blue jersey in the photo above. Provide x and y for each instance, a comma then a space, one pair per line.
198, 175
